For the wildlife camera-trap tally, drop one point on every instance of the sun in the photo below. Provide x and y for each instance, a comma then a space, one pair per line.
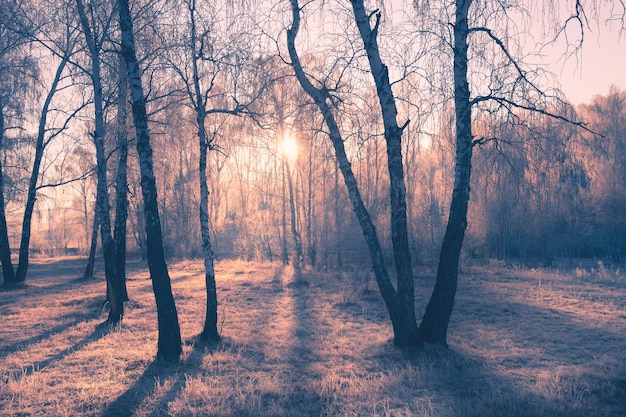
289, 148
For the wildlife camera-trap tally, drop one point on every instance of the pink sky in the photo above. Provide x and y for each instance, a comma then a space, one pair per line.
601, 63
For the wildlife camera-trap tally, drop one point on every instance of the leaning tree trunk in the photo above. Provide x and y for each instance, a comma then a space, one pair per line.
434, 326
5, 246
169, 344
397, 189
114, 294
22, 266
390, 296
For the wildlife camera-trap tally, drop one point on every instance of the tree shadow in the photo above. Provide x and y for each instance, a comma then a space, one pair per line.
96, 334
37, 287
528, 359
540, 328
157, 372
474, 385
73, 321
301, 357
472, 388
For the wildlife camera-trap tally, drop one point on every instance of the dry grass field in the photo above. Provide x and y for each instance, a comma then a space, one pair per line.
522, 343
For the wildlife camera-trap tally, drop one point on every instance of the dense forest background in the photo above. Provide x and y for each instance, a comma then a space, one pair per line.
542, 188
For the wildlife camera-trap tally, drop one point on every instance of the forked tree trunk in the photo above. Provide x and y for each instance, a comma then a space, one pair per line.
22, 265
114, 294
403, 332
209, 331
397, 189
5, 247
434, 326
170, 343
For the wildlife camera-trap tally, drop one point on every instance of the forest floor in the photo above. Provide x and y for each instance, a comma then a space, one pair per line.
522, 343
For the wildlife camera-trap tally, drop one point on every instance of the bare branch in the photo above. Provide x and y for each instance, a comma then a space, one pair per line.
507, 103
508, 55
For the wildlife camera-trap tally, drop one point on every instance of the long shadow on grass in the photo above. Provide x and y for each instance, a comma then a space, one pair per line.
146, 385
32, 290
99, 332
14, 293
470, 388
305, 328
560, 336
556, 348
73, 319
56, 277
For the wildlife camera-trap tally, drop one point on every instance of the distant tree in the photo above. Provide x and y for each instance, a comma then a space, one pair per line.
170, 343
295, 232
606, 160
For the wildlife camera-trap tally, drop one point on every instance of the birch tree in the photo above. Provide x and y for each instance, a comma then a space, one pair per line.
397, 187
121, 181
207, 69
94, 38
60, 43
169, 343
17, 76
401, 314
502, 85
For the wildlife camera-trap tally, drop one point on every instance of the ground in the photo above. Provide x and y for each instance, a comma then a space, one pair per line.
521, 343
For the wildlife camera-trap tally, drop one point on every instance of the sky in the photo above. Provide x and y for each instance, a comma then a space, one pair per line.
599, 64
602, 62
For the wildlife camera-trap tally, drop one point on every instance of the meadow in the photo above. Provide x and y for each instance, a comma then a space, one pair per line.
522, 342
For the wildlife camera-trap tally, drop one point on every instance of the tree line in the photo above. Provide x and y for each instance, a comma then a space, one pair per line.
283, 131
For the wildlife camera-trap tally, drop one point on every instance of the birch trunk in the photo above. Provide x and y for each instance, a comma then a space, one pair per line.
121, 184
22, 266
297, 239
91, 259
170, 343
114, 297
390, 296
409, 334
434, 326
283, 219
209, 331
5, 246
311, 246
